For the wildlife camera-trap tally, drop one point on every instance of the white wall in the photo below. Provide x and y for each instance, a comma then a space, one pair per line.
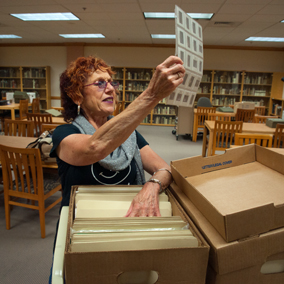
131, 56
222, 59
56, 57
249, 60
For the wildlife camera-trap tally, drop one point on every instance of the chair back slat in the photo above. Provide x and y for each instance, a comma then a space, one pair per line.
39, 119
224, 132
264, 140
279, 136
260, 110
23, 109
22, 128
36, 105
245, 115
199, 117
23, 179
17, 165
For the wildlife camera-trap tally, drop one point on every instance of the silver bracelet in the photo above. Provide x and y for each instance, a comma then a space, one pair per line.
164, 170
156, 181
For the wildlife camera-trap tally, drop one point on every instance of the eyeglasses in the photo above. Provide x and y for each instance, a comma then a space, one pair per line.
103, 84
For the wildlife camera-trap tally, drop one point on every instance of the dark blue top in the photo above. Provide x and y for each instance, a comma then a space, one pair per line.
93, 174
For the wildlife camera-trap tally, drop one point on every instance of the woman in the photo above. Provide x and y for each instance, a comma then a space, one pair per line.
97, 148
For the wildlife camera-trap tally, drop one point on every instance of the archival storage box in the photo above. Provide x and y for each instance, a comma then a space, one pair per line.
272, 122
255, 260
177, 265
240, 192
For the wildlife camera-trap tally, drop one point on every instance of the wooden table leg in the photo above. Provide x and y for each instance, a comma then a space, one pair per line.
12, 113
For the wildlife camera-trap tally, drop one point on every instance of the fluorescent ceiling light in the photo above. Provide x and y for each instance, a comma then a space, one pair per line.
152, 15
204, 16
82, 35
163, 36
10, 36
46, 17
275, 39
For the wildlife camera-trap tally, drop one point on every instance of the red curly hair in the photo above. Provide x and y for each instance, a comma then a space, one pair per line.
73, 79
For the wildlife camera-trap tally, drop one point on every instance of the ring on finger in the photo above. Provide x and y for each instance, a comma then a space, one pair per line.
178, 74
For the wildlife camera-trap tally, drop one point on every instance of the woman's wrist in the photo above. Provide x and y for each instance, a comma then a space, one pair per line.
157, 181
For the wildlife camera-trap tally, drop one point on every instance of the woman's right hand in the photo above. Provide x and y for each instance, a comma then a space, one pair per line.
167, 77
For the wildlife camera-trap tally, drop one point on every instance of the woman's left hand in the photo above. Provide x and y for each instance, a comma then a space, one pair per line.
146, 202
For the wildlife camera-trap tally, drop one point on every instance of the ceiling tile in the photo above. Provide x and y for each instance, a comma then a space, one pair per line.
122, 21
272, 9
240, 9
231, 17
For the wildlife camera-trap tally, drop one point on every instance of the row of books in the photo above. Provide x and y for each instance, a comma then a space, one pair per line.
165, 110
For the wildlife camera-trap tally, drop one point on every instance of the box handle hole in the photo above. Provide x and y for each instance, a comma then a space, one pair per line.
138, 277
272, 266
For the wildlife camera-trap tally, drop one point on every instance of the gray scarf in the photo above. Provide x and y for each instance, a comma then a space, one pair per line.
122, 156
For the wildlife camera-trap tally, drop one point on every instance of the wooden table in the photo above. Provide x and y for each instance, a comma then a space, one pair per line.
259, 128
12, 108
58, 120
22, 142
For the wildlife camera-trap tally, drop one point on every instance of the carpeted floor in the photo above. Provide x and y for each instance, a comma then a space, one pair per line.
25, 257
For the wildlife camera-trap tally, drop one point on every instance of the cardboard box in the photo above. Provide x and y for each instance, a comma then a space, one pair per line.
237, 262
241, 192
184, 265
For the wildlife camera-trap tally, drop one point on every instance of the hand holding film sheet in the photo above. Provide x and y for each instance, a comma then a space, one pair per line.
189, 48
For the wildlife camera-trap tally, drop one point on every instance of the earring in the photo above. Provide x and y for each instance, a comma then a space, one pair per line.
78, 110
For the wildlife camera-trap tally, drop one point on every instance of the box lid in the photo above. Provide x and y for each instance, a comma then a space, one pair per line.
239, 192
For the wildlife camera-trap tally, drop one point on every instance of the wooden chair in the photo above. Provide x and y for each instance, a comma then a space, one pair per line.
279, 136
48, 127
260, 110
223, 135
24, 128
23, 110
264, 140
219, 116
245, 115
39, 119
199, 117
262, 118
24, 180
119, 108
36, 105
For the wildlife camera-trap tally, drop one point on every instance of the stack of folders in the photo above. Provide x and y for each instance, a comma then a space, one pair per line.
100, 225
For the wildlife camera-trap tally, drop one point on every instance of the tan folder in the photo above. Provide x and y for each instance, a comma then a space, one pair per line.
99, 209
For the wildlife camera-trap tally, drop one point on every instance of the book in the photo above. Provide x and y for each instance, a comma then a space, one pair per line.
53, 112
